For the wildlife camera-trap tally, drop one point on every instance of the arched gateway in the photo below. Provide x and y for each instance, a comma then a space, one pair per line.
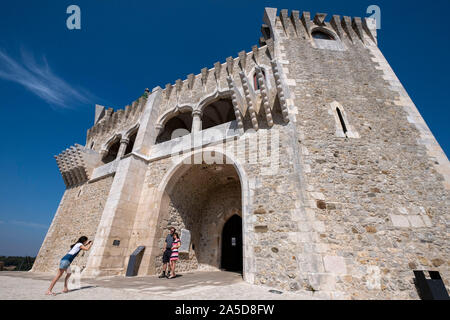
205, 201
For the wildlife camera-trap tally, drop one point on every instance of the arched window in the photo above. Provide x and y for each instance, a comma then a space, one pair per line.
182, 121
130, 145
256, 85
112, 152
218, 112
317, 34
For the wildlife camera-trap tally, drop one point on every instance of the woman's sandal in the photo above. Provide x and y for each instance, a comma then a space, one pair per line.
171, 277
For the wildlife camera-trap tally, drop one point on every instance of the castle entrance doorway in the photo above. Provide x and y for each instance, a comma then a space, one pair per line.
232, 245
204, 203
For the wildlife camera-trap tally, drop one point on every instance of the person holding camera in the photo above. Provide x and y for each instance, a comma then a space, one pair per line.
64, 265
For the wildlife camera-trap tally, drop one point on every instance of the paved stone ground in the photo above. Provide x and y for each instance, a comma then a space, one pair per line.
189, 286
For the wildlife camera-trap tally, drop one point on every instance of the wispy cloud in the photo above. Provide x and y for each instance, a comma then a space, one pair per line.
29, 224
40, 80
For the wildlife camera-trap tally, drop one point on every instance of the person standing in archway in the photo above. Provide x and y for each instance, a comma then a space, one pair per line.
174, 257
167, 253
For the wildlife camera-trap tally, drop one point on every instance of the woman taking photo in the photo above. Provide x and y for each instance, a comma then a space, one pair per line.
64, 265
174, 256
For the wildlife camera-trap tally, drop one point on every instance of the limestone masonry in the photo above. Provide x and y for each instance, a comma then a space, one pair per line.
302, 163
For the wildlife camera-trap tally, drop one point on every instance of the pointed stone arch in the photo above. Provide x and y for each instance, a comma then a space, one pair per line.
172, 179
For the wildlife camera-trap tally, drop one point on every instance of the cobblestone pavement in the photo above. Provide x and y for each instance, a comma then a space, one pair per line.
189, 286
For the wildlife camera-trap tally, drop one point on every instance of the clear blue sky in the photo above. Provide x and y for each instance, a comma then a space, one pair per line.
51, 78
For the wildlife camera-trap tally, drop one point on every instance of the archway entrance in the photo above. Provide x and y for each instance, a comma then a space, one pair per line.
232, 245
200, 200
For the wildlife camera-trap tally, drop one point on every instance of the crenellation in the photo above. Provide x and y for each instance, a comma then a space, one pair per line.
287, 26
281, 93
250, 99
306, 20
237, 103
230, 65
243, 60
370, 27
265, 97
295, 20
217, 71
335, 23
114, 121
347, 25
191, 79
357, 26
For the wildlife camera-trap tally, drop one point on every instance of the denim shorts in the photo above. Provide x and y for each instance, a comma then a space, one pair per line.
64, 264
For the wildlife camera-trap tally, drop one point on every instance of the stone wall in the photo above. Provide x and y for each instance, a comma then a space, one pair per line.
379, 196
78, 215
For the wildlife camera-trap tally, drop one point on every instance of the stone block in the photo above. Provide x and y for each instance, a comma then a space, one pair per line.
400, 221
416, 221
335, 265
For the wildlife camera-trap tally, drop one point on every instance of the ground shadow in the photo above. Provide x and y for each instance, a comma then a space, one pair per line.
82, 288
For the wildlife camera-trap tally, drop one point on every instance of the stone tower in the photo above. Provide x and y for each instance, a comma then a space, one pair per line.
302, 163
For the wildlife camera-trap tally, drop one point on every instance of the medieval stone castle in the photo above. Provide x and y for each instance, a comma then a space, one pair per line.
302, 163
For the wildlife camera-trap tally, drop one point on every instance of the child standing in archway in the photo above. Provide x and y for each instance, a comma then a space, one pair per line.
174, 256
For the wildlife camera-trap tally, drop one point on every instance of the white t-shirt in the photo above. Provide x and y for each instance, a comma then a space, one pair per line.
76, 248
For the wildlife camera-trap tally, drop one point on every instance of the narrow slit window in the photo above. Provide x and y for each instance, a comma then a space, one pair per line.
341, 118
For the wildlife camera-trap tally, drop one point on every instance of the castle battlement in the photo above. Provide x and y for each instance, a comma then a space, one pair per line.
186, 95
348, 29
108, 121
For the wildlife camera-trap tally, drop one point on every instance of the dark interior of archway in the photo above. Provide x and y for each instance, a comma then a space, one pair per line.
218, 112
112, 152
130, 146
201, 200
232, 245
181, 121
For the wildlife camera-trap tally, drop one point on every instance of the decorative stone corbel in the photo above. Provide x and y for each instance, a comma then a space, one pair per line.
264, 95
250, 100
235, 101
281, 94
